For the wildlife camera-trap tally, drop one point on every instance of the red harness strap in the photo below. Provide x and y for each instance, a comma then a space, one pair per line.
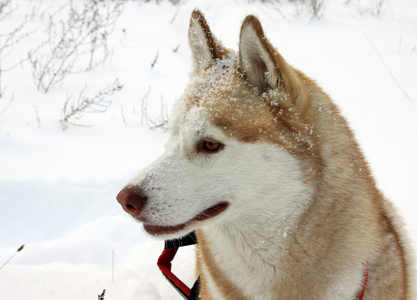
171, 248
164, 264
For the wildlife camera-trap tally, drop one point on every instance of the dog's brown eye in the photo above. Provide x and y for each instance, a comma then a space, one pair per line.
209, 146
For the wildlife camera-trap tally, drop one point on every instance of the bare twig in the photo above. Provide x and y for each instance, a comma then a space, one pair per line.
160, 121
388, 69
101, 296
372, 7
38, 119
144, 106
112, 265
18, 250
316, 8
74, 109
6, 10
7, 105
123, 115
73, 42
155, 60
174, 17
9, 40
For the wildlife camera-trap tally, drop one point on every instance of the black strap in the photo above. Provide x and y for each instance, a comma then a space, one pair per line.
195, 290
187, 240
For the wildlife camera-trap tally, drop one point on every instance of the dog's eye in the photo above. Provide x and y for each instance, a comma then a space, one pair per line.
209, 146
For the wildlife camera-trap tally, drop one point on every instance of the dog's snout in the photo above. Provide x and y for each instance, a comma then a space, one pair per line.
132, 199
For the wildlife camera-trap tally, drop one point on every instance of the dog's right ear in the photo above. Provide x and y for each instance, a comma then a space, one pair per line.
205, 48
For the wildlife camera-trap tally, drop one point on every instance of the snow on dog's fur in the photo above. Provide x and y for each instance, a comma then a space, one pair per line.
261, 163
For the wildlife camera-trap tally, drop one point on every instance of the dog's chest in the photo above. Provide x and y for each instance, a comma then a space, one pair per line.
234, 265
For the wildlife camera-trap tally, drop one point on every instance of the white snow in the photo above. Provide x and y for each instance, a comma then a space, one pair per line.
58, 188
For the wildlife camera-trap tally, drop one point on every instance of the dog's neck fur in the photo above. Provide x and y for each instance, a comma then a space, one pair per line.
246, 255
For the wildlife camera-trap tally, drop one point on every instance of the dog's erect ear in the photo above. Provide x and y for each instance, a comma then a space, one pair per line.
257, 56
205, 48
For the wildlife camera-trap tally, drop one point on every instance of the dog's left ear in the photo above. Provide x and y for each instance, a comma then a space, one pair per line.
205, 48
257, 56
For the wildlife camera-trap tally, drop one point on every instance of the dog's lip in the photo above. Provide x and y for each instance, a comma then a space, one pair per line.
204, 215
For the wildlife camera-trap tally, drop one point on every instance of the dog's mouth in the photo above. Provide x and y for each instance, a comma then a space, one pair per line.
204, 215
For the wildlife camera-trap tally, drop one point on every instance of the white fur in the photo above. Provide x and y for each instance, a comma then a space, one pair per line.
347, 287
248, 244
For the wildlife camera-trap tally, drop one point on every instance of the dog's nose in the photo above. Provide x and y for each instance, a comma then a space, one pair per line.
132, 199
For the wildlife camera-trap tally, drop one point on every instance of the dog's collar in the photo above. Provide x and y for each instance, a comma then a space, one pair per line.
171, 248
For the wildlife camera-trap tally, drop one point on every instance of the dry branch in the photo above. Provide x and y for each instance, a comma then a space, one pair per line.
76, 44
74, 109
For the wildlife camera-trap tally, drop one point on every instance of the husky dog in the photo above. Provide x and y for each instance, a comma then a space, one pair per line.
266, 170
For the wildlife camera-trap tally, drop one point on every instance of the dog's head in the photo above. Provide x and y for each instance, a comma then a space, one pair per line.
239, 141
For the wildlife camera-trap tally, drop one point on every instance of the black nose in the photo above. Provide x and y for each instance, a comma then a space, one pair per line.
132, 199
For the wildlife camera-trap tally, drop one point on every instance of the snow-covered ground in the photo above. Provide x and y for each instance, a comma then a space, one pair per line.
58, 187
